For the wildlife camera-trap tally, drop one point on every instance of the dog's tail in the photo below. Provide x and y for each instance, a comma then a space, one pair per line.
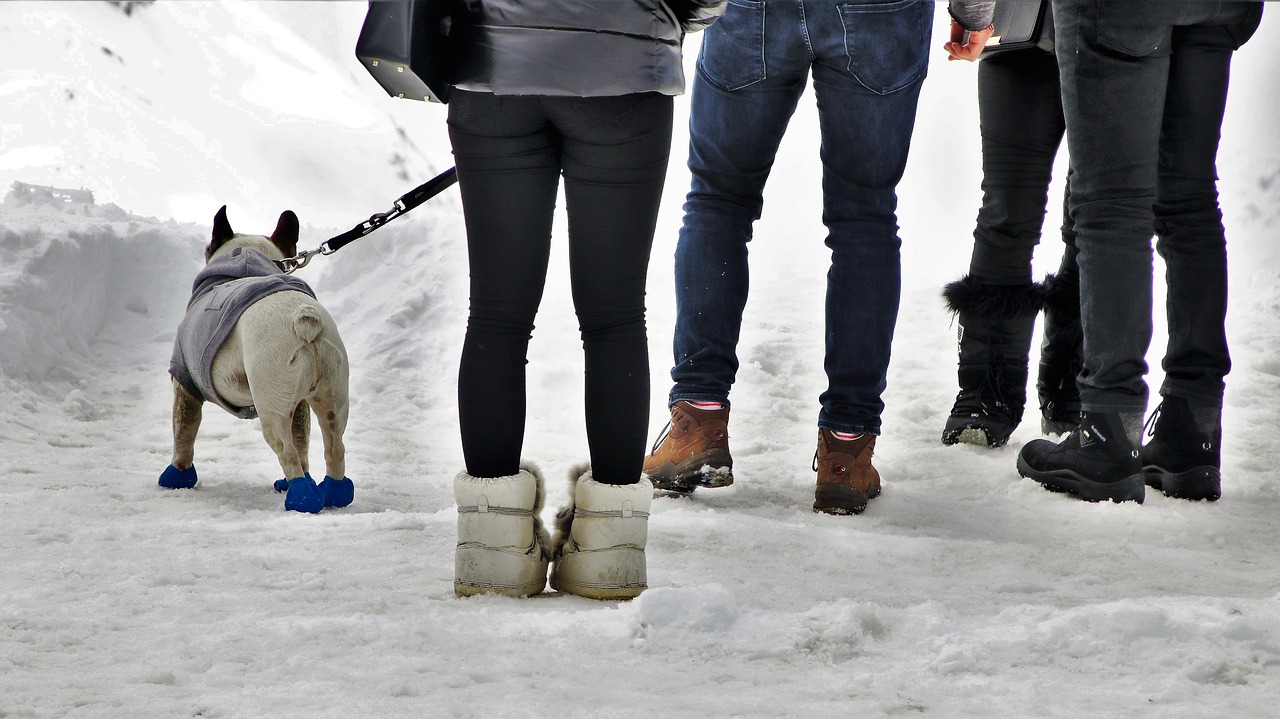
306, 324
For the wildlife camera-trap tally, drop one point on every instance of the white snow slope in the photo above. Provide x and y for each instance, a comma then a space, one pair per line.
964, 591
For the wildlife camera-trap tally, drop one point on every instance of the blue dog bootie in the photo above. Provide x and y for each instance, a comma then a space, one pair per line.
282, 485
337, 492
303, 495
174, 478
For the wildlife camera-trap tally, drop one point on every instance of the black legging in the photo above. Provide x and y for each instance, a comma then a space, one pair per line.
510, 152
1020, 110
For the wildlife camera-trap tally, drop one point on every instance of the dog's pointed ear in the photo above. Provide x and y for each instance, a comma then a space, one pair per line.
286, 235
221, 232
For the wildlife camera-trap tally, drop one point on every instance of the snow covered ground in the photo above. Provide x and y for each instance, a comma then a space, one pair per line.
963, 591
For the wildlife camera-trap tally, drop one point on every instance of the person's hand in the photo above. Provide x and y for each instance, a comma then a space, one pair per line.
967, 44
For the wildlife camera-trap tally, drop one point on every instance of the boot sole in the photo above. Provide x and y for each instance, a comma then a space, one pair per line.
1129, 489
1196, 483
598, 591
471, 589
978, 436
981, 431
842, 500
709, 469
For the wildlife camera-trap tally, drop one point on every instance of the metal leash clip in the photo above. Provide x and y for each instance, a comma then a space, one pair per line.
300, 260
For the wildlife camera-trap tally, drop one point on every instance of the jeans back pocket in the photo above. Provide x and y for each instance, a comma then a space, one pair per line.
732, 54
1135, 28
887, 42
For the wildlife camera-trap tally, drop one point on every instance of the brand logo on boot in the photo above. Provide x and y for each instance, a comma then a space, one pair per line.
1090, 436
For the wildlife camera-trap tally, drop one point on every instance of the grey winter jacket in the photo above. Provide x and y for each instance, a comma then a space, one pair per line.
220, 294
582, 48
972, 14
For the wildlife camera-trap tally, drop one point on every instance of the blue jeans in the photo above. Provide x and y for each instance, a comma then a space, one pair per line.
868, 60
1144, 86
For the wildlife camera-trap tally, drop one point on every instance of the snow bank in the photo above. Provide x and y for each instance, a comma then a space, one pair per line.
78, 274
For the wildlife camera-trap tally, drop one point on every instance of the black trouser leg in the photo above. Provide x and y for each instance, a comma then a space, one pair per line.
508, 170
1124, 101
1020, 109
614, 175
510, 152
1188, 221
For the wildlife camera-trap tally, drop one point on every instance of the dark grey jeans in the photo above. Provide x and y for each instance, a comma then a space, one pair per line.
1144, 85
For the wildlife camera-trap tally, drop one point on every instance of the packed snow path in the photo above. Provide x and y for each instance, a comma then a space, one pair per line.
963, 591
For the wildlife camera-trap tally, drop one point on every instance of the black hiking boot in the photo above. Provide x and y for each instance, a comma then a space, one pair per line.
1098, 460
1060, 354
996, 323
1183, 457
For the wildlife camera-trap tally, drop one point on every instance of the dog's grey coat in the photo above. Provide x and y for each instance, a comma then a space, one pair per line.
220, 294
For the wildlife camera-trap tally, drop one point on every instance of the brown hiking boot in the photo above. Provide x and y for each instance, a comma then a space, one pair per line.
846, 479
693, 450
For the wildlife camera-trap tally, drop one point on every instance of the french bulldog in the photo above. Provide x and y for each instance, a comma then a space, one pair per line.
257, 343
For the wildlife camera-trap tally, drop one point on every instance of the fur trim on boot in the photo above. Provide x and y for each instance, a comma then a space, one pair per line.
1062, 294
600, 538
993, 302
502, 545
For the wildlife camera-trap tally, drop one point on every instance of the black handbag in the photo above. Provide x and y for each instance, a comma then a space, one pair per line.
405, 45
1020, 25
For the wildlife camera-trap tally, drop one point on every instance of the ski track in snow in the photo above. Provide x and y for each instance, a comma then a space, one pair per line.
962, 591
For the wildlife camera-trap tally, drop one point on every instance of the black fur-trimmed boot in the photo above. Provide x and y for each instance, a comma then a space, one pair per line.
1061, 354
1183, 457
996, 323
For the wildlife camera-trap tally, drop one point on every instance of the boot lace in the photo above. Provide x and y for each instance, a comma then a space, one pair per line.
662, 437
1149, 427
987, 398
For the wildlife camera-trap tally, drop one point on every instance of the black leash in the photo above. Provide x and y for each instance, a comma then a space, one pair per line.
406, 202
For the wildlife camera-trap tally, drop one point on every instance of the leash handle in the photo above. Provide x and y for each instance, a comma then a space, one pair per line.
429, 189
403, 204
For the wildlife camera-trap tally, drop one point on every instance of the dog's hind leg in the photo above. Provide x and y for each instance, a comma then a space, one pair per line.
333, 423
302, 494
187, 413
278, 431
331, 405
302, 434
332, 412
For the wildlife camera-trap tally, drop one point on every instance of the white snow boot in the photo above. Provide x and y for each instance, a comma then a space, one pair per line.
502, 545
600, 538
